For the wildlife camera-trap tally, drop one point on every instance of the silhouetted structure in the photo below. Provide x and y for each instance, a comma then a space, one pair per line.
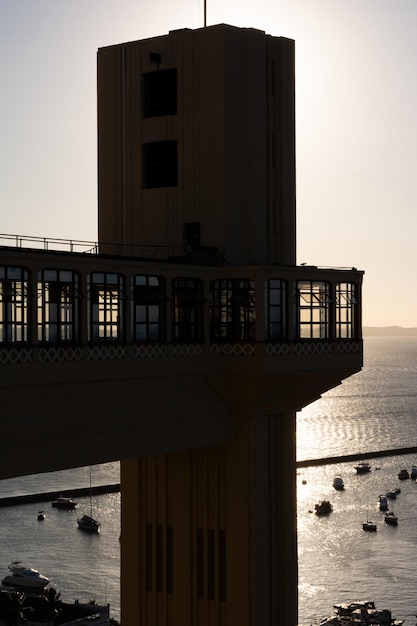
196, 166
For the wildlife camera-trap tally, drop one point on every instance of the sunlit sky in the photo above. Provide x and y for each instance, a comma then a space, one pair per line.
356, 106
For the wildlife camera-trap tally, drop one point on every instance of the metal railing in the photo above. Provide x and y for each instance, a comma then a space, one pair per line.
87, 247
48, 243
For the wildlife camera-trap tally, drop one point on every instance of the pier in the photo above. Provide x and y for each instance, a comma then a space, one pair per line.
346, 458
52, 495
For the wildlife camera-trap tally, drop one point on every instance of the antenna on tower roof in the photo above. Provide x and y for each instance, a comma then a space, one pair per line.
205, 13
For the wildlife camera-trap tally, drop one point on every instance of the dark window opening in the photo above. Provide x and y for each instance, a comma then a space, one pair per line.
211, 564
200, 563
222, 566
159, 558
232, 310
160, 93
148, 557
170, 559
188, 309
160, 164
275, 309
149, 302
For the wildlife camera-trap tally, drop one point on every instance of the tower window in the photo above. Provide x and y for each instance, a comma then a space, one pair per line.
160, 93
160, 164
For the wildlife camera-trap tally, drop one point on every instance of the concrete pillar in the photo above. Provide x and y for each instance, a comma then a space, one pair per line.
213, 537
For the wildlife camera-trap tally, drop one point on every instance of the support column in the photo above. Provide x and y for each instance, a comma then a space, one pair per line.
212, 531
275, 520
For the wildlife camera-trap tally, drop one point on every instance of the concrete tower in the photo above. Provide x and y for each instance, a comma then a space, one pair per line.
197, 175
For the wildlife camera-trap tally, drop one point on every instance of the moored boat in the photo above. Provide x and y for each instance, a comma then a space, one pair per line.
362, 613
323, 508
369, 526
383, 503
64, 503
390, 518
86, 522
362, 467
338, 483
27, 577
403, 474
413, 473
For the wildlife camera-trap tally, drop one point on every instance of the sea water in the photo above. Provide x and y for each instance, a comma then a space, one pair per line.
371, 411
374, 410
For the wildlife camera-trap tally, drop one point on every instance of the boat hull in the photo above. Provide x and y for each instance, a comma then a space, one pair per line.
64, 503
88, 523
17, 581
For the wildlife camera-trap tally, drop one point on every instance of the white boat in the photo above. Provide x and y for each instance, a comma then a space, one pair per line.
27, 577
338, 483
64, 503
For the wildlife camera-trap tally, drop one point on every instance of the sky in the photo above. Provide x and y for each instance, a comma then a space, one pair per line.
356, 124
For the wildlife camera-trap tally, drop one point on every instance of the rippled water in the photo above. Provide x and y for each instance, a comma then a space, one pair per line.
371, 411
81, 565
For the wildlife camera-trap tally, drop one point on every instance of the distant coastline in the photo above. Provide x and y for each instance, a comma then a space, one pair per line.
388, 331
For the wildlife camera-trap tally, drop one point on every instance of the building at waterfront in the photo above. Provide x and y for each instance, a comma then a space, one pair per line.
186, 340
196, 147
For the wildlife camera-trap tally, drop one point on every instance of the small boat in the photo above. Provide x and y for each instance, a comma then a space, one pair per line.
27, 577
368, 525
383, 503
392, 494
338, 483
41, 516
361, 613
348, 609
413, 474
403, 474
64, 503
323, 508
362, 467
390, 518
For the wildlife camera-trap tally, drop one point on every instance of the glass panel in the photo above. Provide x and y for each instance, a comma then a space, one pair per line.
149, 301
105, 307
312, 301
13, 304
58, 306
